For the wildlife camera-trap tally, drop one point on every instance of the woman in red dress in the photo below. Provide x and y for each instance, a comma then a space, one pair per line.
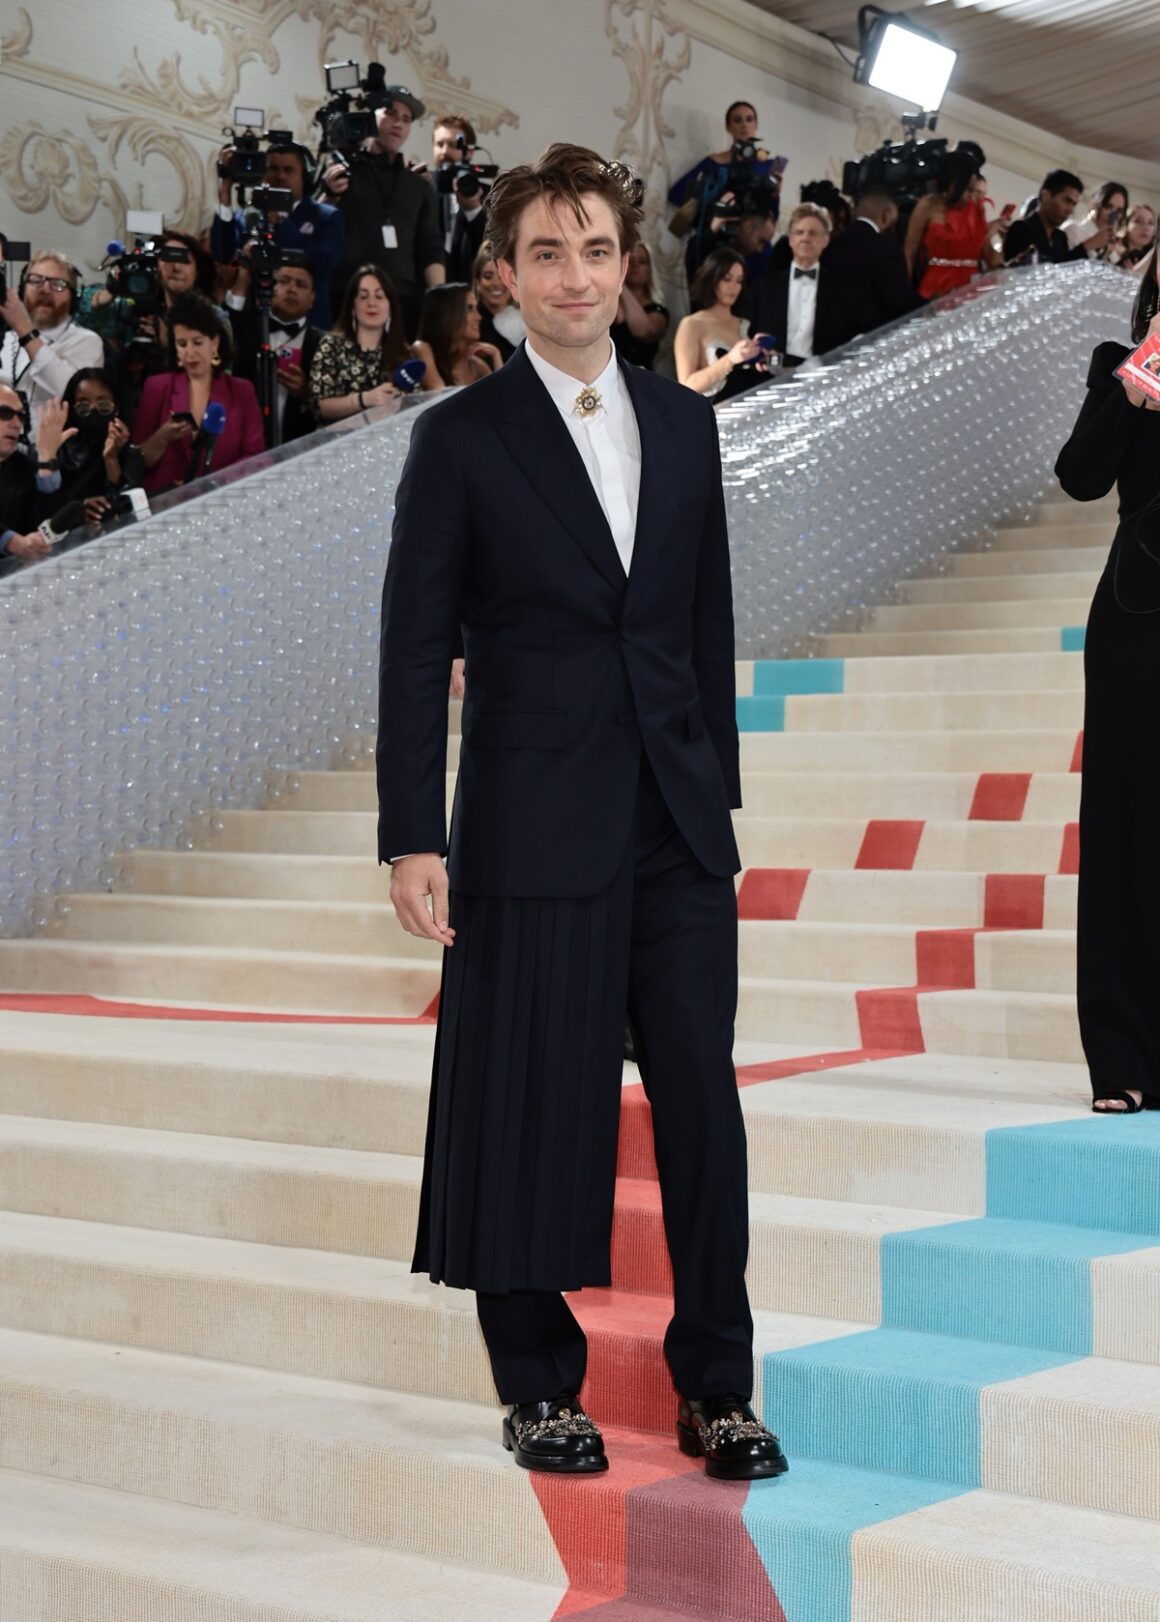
173, 403
949, 239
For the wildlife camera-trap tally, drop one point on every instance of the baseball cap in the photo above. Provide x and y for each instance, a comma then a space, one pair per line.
400, 92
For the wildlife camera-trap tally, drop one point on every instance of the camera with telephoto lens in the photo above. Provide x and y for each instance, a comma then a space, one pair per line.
907, 169
14, 253
753, 193
348, 118
458, 173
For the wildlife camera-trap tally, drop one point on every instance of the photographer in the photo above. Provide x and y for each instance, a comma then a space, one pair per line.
315, 230
24, 483
724, 188
461, 206
392, 214
43, 346
96, 460
292, 338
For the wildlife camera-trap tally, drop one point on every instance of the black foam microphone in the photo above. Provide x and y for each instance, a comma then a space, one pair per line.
62, 523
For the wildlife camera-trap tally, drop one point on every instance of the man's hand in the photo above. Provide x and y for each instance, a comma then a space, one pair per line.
31, 548
225, 157
293, 380
414, 879
336, 179
458, 678
51, 432
96, 509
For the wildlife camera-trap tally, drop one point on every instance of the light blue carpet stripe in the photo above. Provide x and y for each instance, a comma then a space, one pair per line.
802, 1524
892, 1399
765, 713
1092, 1173
1071, 638
1026, 1283
784, 676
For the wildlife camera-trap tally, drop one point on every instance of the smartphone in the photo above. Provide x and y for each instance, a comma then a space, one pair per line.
185, 416
289, 355
1114, 218
1008, 212
778, 166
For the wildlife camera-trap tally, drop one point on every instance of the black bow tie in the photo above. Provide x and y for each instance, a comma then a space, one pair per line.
810, 275
290, 328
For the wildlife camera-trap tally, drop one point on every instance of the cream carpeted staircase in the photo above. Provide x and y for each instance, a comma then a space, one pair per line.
223, 1397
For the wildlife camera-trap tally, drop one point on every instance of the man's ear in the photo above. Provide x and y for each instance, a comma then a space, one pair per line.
508, 277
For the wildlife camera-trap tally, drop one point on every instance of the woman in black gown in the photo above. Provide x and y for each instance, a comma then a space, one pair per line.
1116, 441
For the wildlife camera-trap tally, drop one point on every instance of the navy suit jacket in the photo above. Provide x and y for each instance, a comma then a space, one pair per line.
572, 669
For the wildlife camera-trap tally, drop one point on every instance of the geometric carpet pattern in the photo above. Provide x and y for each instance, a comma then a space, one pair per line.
224, 1398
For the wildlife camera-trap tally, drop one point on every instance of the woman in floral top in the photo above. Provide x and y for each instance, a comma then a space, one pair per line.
353, 365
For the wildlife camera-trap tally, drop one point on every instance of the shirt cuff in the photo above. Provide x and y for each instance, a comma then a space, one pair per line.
235, 301
225, 212
5, 536
48, 483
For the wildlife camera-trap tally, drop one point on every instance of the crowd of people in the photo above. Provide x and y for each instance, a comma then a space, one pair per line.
375, 279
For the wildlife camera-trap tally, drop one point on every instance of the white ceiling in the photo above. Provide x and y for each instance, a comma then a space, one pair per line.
1087, 70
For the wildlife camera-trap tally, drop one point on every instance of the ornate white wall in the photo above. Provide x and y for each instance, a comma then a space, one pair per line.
122, 104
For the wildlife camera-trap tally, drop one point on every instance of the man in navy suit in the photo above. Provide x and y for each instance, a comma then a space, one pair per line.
566, 516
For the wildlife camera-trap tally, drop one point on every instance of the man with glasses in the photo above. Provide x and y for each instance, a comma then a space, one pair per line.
43, 345
27, 485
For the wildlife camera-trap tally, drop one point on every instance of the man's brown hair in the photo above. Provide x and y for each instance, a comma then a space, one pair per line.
563, 175
812, 211
457, 121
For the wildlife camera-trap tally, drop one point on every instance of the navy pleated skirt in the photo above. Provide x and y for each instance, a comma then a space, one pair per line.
520, 1166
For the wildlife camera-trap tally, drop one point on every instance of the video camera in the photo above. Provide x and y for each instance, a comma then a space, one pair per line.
133, 272
348, 118
250, 144
753, 193
907, 169
468, 177
14, 253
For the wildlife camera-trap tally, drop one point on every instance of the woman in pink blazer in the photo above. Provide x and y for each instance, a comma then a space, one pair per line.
173, 403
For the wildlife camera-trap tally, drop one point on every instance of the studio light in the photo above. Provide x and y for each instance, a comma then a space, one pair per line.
902, 59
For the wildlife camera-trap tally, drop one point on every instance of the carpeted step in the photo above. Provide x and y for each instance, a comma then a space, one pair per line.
76, 1553
897, 954
878, 751
832, 842
928, 712
228, 874
927, 898
1030, 560
987, 616
866, 644
303, 982
940, 796
964, 672
1033, 587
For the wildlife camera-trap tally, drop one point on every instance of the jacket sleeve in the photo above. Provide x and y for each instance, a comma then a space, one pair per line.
225, 238
422, 596
1089, 464
151, 411
55, 363
713, 647
428, 232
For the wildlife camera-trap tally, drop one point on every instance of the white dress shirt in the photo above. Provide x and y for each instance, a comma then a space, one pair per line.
803, 309
608, 442
63, 351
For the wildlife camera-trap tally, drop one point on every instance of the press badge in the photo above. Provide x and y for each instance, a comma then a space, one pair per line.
390, 237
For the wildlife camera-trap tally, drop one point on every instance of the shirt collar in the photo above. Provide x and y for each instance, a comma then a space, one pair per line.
873, 224
564, 388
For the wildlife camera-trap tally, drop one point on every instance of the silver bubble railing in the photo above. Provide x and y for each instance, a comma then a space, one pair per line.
160, 673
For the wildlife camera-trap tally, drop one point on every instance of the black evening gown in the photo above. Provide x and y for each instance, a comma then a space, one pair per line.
1118, 946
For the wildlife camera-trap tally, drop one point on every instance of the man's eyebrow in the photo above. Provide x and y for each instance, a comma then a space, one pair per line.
556, 242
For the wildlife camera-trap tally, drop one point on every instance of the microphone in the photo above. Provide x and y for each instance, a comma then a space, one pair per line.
409, 375
63, 523
114, 250
212, 425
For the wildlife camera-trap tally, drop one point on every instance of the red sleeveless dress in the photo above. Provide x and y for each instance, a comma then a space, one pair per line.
951, 248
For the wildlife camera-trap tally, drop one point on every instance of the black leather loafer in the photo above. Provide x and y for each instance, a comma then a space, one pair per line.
556, 1435
728, 1435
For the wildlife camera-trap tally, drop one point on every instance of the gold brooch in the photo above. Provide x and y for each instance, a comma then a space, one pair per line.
588, 403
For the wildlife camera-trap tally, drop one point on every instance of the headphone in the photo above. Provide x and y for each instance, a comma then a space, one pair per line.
71, 272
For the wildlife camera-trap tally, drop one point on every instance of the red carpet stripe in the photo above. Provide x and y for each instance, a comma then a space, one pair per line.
946, 958
890, 844
35, 1002
1069, 855
1077, 757
888, 1018
1000, 797
1014, 901
772, 892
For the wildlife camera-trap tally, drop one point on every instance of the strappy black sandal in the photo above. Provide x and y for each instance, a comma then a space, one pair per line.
1150, 1101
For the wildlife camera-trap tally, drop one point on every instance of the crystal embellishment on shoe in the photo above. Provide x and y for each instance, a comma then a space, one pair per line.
565, 1423
732, 1427
728, 1435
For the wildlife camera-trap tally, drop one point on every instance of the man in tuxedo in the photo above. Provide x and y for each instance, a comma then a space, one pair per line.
869, 257
292, 338
808, 309
566, 516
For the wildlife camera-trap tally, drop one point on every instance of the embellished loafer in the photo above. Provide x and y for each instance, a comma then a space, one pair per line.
556, 1435
728, 1435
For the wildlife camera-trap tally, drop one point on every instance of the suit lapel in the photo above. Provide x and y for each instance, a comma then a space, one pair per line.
537, 440
660, 475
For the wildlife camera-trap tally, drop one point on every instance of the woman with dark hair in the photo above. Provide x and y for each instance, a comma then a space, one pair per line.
1116, 442
500, 321
174, 403
709, 349
98, 461
353, 365
1096, 229
949, 236
449, 339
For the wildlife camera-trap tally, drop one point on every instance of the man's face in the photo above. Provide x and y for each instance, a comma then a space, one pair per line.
394, 123
1061, 207
47, 306
10, 431
446, 148
567, 273
807, 239
754, 231
284, 171
293, 293
742, 123
177, 275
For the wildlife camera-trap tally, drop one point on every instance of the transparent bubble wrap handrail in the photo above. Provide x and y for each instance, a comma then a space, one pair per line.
160, 674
